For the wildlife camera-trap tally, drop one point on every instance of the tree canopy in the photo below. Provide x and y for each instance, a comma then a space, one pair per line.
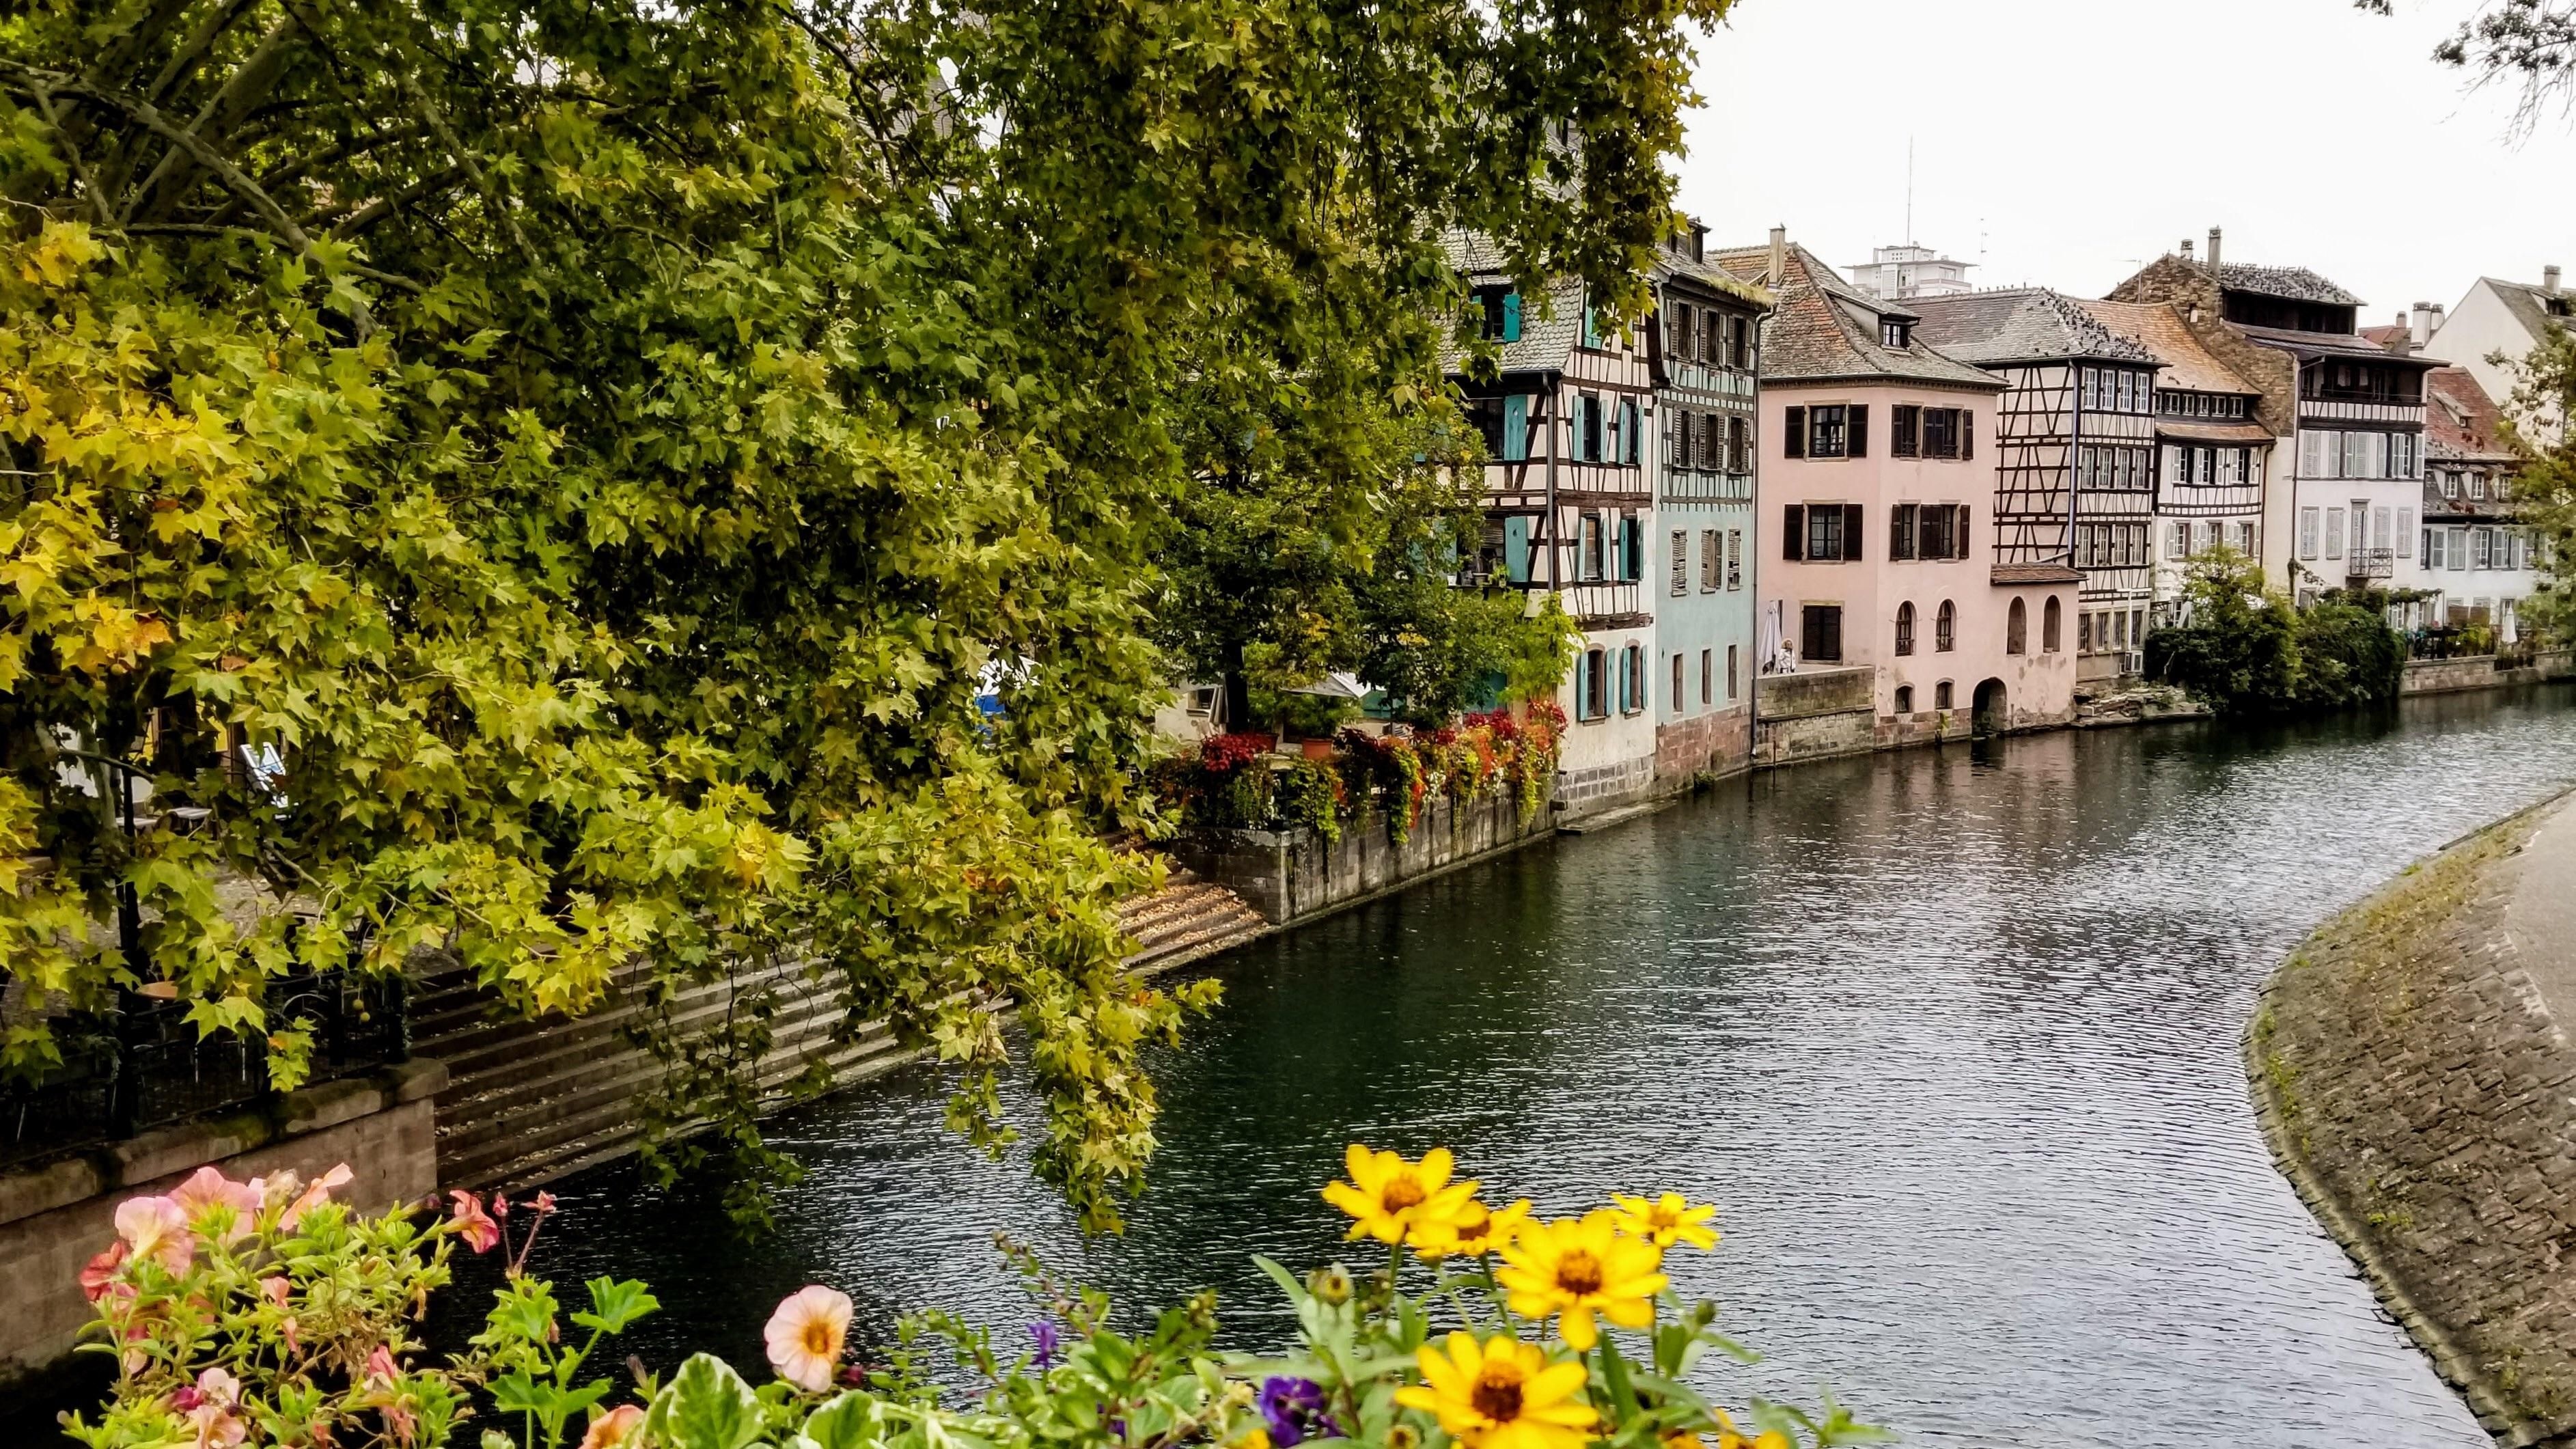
2538, 418
549, 481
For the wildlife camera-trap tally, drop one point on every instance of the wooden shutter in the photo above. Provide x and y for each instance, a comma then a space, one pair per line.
1516, 548
1793, 436
1851, 532
1793, 528
1900, 531
1511, 316
1967, 433
1959, 531
1859, 415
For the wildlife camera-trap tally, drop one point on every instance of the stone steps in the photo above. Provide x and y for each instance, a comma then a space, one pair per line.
530, 1101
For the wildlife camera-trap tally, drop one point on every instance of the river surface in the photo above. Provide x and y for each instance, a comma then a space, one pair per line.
1951, 1036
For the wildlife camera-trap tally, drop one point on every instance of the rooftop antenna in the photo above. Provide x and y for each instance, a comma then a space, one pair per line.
1909, 190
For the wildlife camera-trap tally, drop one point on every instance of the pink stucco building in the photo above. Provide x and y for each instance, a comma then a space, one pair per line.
1876, 497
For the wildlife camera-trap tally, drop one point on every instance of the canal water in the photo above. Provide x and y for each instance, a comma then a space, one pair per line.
1952, 1038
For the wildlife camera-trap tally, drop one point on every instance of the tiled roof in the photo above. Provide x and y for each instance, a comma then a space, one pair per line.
2159, 327
2008, 574
1822, 328
2209, 432
2459, 418
2325, 344
2296, 283
2386, 338
2020, 324
1717, 279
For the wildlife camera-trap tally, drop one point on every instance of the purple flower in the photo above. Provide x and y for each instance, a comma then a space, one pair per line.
1043, 1333
1294, 1409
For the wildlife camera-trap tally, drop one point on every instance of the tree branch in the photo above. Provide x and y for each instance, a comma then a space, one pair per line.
491, 196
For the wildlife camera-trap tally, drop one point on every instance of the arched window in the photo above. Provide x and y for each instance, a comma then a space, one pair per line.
1905, 695
1941, 695
1904, 630
1945, 628
2017, 629
2051, 626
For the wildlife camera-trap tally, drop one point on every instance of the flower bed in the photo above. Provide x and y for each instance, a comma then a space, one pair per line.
1237, 781
265, 1313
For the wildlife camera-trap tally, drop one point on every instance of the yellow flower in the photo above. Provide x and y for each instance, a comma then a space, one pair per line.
1501, 1394
1474, 1228
1388, 1195
1255, 1437
1665, 1221
1579, 1267
1729, 1438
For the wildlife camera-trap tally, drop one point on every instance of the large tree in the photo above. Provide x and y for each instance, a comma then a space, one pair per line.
2538, 418
548, 480
2528, 44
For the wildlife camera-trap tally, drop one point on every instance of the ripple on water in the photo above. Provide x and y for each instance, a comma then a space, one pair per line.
1952, 1038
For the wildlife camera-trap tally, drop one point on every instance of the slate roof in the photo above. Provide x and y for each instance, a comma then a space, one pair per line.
2296, 283
2159, 327
2327, 344
2020, 324
1822, 328
1548, 333
2459, 418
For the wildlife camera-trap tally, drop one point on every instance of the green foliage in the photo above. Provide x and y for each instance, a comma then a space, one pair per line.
547, 482
2348, 654
1311, 795
2238, 648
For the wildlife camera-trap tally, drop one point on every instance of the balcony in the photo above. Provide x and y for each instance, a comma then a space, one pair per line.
2370, 563
1607, 605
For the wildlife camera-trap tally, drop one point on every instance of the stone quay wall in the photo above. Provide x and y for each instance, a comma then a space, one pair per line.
2479, 671
53, 1217
2419, 1091
1296, 875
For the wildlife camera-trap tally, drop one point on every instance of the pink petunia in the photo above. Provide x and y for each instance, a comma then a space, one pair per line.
314, 1195
156, 1227
806, 1334
208, 1190
100, 1272
480, 1232
613, 1428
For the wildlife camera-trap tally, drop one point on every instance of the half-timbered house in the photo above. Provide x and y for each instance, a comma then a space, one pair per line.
2211, 447
1565, 410
2075, 440
2349, 414
1877, 469
2475, 561
1705, 356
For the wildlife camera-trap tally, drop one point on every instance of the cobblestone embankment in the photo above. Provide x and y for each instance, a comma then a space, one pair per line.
2415, 1077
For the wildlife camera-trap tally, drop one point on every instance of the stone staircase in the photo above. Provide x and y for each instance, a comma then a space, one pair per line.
529, 1101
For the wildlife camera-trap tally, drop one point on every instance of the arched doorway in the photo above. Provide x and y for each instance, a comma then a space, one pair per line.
1989, 705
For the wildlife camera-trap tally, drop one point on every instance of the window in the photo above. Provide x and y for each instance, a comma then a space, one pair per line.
1681, 562
2245, 539
1941, 693
1905, 699
1712, 560
1739, 446
2334, 533
2481, 548
2051, 630
1900, 531
2459, 549
1827, 432
2477, 485
2308, 533
2203, 534
1585, 425
1820, 533
1894, 333
1496, 314
1905, 628
1589, 548
1740, 341
2379, 527
1591, 686
2433, 547
1940, 432
2450, 483
1904, 431
1735, 558
1793, 433
1591, 325
2177, 541
1705, 697
1679, 698
1824, 532
1730, 671
1629, 433
2017, 625
1945, 628
1820, 633
2083, 633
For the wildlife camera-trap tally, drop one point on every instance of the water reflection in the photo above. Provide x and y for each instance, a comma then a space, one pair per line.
1952, 1037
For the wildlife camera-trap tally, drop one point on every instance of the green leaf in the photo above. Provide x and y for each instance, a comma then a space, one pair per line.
705, 1406
849, 1421
615, 1304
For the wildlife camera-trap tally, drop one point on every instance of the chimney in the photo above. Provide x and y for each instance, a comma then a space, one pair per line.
2420, 331
2213, 251
1779, 255
2549, 280
2186, 249
1699, 242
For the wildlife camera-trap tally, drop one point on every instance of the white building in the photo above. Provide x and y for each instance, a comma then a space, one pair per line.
2473, 564
1900, 273
2499, 316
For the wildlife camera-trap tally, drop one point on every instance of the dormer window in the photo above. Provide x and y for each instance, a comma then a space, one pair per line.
1895, 334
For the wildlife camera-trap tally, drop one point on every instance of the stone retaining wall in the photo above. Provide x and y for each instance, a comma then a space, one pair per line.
2478, 671
54, 1217
2417, 1092
1293, 875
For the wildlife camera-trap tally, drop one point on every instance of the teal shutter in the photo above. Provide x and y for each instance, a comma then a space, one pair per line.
1591, 327
1515, 410
1511, 316
1516, 548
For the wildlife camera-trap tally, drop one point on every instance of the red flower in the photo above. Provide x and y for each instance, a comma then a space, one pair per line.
101, 1271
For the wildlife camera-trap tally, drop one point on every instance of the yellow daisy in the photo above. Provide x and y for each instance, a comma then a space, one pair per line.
1474, 1228
1665, 1221
1387, 1195
1501, 1394
1577, 1268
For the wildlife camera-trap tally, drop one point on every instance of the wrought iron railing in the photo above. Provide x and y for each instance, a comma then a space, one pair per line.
2370, 563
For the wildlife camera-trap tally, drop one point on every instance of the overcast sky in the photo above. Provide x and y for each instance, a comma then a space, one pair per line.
2065, 142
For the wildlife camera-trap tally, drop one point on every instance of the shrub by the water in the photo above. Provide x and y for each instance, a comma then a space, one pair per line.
2245, 650
265, 1313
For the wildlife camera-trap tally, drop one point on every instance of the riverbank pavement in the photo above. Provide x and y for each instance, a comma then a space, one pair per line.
2413, 1065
